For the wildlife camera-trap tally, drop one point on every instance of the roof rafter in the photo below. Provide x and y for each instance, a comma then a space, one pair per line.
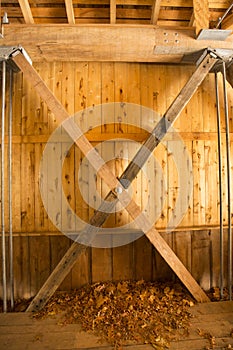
26, 10
112, 11
191, 22
155, 11
70, 11
227, 23
201, 14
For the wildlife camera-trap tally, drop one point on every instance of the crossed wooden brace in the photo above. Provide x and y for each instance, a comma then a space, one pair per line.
69, 259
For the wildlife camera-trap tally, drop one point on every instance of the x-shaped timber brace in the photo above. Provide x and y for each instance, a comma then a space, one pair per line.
99, 217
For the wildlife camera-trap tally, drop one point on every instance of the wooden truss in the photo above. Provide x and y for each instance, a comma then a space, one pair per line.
69, 259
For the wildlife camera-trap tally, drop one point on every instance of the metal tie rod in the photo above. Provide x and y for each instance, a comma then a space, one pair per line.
220, 184
228, 180
10, 189
4, 284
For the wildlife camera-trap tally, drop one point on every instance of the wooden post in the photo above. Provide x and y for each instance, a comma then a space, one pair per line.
132, 170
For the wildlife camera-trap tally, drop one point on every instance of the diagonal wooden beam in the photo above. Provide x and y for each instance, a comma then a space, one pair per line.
61, 114
70, 11
155, 11
26, 10
201, 14
69, 259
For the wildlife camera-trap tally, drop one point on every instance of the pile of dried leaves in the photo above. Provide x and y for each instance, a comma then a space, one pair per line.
141, 312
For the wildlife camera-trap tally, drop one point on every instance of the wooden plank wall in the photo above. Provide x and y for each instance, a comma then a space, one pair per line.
37, 244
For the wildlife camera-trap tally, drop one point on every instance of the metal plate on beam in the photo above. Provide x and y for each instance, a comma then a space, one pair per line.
225, 55
7, 52
214, 34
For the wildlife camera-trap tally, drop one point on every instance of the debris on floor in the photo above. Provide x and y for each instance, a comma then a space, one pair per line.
126, 311
215, 294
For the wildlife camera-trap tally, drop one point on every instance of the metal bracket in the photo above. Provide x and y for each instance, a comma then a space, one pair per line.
221, 55
7, 52
214, 34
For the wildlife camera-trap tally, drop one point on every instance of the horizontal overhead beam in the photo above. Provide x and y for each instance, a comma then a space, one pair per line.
107, 42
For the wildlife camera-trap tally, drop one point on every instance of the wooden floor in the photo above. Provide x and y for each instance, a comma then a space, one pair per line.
212, 328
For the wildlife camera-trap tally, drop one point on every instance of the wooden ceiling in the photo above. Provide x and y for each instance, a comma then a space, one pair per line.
179, 13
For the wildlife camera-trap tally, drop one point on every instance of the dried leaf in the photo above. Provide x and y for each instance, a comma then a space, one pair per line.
145, 312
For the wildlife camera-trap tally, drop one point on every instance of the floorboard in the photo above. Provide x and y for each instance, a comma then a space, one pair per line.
211, 325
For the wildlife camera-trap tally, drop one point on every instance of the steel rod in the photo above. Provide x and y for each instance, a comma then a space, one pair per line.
220, 185
10, 189
228, 181
2, 188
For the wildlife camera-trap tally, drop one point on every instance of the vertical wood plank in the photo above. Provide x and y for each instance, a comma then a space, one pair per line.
58, 247
215, 259
94, 92
133, 95
174, 187
68, 86
56, 87
54, 186
161, 270
81, 85
41, 216
199, 183
81, 273
211, 194
187, 202
161, 184
27, 187
68, 184
123, 256
16, 187
182, 247
22, 272
172, 86
184, 122
17, 103
209, 104
107, 93
41, 108
102, 257
144, 85
158, 88
39, 262
195, 109
201, 267
121, 94
143, 259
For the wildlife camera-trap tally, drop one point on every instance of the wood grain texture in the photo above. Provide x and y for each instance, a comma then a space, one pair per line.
26, 10
127, 43
214, 318
201, 15
133, 209
151, 87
